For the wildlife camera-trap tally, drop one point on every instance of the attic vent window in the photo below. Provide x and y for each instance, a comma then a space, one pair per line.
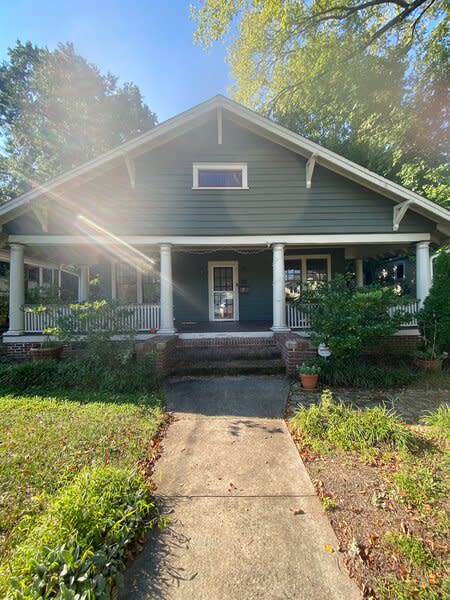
214, 176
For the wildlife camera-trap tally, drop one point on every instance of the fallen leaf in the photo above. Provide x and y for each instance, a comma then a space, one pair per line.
329, 548
297, 511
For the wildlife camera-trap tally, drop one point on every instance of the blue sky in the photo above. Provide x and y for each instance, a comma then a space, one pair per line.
148, 42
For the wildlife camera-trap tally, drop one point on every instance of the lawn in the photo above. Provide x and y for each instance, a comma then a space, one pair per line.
45, 441
386, 487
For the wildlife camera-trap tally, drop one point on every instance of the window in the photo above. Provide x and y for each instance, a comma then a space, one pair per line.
399, 271
214, 176
126, 283
306, 269
150, 286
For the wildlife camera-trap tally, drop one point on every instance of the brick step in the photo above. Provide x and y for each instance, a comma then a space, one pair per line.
260, 366
220, 353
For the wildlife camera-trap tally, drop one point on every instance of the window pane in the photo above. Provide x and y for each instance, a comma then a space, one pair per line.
47, 276
223, 279
219, 178
150, 287
292, 277
316, 269
126, 283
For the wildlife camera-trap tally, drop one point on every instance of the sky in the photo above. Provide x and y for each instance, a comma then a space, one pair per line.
148, 42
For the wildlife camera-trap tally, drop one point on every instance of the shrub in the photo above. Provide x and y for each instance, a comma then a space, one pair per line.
347, 318
365, 373
79, 545
439, 421
335, 425
115, 371
434, 319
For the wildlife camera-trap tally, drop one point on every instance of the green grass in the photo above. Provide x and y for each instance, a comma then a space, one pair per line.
46, 441
413, 549
332, 425
439, 422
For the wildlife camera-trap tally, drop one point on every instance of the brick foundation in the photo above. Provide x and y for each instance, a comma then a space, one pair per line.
19, 351
294, 350
163, 346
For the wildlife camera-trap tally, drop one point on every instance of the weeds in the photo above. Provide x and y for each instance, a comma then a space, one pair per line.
439, 422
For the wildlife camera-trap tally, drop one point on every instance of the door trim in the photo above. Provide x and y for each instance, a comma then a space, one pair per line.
223, 263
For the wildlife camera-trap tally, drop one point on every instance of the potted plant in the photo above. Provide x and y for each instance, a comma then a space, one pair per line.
428, 358
309, 375
49, 348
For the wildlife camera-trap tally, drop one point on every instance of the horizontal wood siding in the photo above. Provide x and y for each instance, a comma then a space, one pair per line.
277, 201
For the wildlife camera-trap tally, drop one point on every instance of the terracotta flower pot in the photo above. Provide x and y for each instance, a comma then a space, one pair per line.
430, 365
309, 382
54, 352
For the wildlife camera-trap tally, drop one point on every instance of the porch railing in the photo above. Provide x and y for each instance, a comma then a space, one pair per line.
138, 317
297, 319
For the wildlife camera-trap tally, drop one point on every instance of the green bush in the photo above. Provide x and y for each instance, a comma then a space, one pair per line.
365, 373
335, 425
116, 372
346, 318
434, 319
78, 546
439, 421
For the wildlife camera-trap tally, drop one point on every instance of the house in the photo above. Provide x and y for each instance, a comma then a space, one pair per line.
202, 226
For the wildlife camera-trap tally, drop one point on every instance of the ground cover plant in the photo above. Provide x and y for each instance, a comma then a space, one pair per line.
385, 487
48, 444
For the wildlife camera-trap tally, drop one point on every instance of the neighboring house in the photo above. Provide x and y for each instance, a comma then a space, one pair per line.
206, 221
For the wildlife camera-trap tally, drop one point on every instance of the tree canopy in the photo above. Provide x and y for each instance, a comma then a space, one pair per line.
367, 79
56, 111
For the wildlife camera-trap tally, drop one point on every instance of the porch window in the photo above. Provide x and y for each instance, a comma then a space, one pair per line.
150, 287
305, 270
217, 176
126, 283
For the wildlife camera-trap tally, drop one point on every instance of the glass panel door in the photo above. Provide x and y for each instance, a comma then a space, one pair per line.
223, 292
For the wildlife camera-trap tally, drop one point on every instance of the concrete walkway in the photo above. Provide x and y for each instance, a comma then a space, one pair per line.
246, 522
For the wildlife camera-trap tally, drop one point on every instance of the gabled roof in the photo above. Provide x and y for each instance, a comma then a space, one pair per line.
249, 119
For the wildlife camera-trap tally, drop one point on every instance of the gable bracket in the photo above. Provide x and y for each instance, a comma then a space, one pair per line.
131, 171
310, 164
399, 213
40, 211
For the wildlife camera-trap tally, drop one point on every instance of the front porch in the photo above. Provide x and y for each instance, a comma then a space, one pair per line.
241, 286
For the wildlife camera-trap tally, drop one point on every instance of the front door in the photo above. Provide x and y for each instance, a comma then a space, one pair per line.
223, 291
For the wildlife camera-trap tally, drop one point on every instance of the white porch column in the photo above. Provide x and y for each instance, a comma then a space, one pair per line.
423, 275
166, 285
139, 288
279, 294
16, 290
359, 272
83, 284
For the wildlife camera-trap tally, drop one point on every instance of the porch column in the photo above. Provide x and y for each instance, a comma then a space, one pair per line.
279, 294
166, 296
16, 290
359, 272
83, 284
139, 288
423, 275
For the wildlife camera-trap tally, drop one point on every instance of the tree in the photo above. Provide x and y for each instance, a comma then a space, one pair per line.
366, 79
57, 111
434, 319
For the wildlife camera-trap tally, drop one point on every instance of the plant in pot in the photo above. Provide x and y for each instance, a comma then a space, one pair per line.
309, 375
428, 355
50, 348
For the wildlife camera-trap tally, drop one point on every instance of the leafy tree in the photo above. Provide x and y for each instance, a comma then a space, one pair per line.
349, 319
366, 79
56, 111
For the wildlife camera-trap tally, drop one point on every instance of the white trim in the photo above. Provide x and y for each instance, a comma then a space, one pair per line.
399, 212
223, 263
131, 171
309, 170
183, 122
224, 240
222, 166
304, 257
219, 126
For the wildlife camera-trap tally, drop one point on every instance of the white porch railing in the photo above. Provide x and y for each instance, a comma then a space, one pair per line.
140, 317
297, 319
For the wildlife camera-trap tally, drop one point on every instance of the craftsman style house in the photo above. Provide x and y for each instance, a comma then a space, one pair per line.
207, 222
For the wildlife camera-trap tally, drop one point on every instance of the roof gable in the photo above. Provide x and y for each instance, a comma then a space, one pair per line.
248, 119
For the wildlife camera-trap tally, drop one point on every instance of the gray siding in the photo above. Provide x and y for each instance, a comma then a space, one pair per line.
163, 201
190, 273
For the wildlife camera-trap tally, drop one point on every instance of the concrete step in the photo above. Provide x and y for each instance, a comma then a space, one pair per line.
221, 353
243, 366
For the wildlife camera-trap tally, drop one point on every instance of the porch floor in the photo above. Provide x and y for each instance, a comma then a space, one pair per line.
221, 326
